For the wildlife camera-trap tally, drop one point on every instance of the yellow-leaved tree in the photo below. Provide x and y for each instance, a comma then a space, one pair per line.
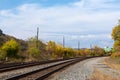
51, 49
116, 36
11, 48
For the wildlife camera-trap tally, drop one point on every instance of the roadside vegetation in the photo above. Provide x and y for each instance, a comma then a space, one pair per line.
98, 75
116, 38
114, 60
15, 50
113, 63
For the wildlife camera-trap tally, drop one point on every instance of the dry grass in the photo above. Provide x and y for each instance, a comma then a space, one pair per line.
115, 55
113, 63
98, 75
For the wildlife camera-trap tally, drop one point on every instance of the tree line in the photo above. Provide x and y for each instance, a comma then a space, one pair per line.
36, 50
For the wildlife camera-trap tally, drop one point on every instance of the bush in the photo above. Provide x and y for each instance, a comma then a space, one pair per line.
117, 45
2, 55
35, 49
11, 48
115, 55
69, 53
33, 53
59, 51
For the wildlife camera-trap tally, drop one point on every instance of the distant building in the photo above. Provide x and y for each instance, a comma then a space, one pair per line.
107, 49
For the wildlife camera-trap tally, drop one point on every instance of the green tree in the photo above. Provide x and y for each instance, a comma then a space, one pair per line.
33, 42
34, 53
35, 48
11, 48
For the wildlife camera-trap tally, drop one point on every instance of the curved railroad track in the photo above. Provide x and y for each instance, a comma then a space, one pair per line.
14, 66
44, 73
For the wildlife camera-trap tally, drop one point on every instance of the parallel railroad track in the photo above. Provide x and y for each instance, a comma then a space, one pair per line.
14, 66
42, 74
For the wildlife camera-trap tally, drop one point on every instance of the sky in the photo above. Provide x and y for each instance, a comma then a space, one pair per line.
88, 21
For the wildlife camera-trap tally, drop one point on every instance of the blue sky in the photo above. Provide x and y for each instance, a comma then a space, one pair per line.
7, 4
89, 21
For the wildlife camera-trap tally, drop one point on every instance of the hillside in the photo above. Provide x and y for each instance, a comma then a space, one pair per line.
27, 49
5, 37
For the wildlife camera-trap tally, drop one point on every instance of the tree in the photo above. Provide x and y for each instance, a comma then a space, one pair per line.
116, 32
97, 51
116, 36
11, 48
34, 53
51, 47
69, 53
2, 55
117, 45
59, 51
33, 42
87, 51
35, 48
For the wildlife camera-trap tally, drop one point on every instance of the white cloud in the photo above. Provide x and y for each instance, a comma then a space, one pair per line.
85, 16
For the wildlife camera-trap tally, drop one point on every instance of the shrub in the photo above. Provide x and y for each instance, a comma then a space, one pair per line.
11, 48
116, 54
33, 53
2, 55
69, 53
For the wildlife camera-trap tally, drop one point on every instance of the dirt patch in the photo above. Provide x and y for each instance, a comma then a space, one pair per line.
98, 75
113, 63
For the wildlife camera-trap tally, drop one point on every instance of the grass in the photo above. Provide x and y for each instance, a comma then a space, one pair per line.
98, 75
113, 63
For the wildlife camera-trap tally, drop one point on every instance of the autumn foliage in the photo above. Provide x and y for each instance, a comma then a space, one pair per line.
116, 37
10, 49
36, 50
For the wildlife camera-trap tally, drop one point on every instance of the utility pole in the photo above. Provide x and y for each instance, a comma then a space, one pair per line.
78, 48
37, 37
119, 22
90, 48
78, 44
63, 41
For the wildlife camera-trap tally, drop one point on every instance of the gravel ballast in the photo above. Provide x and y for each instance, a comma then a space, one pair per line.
6, 75
80, 71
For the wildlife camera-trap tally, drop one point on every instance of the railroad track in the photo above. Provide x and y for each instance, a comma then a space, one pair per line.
42, 74
14, 66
